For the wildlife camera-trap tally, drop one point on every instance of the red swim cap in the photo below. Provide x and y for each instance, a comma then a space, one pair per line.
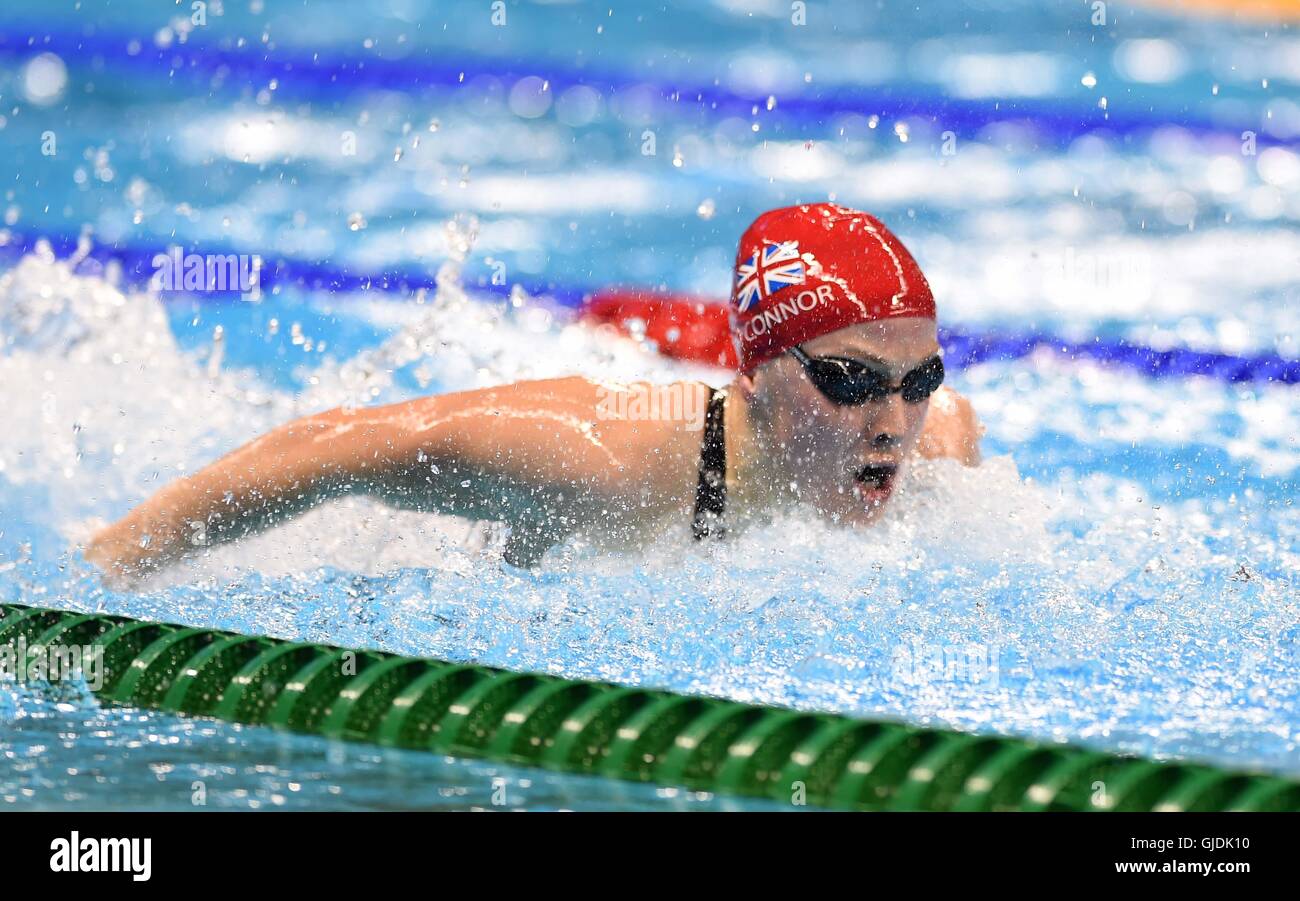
805, 271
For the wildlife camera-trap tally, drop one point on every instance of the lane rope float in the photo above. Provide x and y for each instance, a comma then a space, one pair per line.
618, 732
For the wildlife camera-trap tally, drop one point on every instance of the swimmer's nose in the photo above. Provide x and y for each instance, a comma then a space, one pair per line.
885, 441
888, 422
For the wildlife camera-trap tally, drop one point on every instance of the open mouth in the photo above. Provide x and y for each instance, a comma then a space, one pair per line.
874, 483
876, 475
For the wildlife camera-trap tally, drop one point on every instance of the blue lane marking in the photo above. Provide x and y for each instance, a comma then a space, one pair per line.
302, 73
968, 348
962, 347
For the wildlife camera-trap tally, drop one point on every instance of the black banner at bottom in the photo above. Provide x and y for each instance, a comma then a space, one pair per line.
334, 851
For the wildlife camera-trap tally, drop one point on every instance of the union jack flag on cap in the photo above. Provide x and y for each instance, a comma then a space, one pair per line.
767, 271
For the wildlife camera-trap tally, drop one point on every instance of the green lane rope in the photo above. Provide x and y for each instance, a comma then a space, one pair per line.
698, 743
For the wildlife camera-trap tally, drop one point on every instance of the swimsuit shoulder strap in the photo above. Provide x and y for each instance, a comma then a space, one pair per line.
711, 490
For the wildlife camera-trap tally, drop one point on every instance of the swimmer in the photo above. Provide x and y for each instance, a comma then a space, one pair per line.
839, 388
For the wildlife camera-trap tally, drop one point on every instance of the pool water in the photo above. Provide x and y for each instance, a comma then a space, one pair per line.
1121, 572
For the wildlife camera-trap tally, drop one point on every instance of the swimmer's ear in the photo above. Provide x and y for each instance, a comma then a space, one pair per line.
746, 385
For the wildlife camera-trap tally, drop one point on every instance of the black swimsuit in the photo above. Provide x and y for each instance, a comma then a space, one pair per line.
711, 490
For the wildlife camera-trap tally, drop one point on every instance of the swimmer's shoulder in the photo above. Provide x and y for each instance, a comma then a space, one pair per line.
607, 399
650, 428
637, 418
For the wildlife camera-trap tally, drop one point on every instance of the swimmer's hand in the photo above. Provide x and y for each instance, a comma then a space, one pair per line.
951, 429
121, 561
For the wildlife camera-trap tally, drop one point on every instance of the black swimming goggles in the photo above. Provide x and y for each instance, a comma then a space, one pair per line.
850, 383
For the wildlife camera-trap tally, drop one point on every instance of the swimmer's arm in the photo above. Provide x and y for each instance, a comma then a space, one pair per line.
521, 453
951, 429
282, 473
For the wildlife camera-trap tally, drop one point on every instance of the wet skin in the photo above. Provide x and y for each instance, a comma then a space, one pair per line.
548, 458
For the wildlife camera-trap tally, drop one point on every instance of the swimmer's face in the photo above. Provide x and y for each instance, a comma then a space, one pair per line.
844, 460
